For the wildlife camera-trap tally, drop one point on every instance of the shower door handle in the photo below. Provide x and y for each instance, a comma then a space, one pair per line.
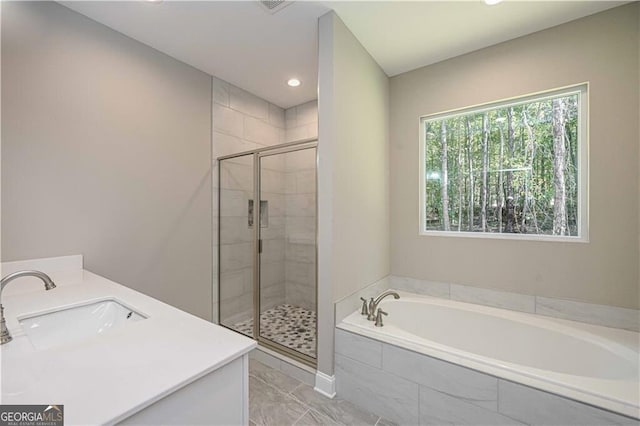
260, 245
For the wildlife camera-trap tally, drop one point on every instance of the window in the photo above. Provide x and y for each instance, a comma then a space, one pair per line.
513, 168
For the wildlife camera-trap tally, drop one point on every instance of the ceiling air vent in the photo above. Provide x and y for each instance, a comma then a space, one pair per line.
273, 6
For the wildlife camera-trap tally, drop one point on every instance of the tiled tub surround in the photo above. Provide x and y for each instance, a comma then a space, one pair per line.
604, 315
458, 363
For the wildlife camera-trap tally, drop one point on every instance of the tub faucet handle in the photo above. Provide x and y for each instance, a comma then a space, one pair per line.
365, 309
379, 318
372, 310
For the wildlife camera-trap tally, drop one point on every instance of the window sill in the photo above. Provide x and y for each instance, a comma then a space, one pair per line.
495, 236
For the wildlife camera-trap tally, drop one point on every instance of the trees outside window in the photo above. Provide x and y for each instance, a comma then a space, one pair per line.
507, 168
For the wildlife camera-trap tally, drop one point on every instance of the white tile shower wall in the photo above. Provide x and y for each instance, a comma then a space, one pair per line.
243, 122
607, 316
272, 260
412, 388
300, 250
301, 122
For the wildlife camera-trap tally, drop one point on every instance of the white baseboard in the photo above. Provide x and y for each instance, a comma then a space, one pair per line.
326, 385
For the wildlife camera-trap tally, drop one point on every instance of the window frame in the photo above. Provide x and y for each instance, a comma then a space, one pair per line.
582, 90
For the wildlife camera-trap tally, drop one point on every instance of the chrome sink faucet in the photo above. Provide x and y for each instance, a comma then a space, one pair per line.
5, 336
373, 304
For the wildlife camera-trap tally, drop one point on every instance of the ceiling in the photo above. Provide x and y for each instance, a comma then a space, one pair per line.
405, 35
238, 41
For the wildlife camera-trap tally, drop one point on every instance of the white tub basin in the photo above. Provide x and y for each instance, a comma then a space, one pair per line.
592, 364
71, 324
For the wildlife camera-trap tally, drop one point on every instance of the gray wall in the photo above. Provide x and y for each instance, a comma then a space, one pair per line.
353, 179
601, 49
105, 152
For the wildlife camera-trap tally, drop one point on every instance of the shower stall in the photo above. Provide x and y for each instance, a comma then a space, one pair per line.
267, 223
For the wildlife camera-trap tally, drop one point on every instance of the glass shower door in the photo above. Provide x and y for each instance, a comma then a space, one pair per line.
287, 251
236, 243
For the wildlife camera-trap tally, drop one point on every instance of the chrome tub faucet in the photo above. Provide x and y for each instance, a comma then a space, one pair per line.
373, 305
5, 336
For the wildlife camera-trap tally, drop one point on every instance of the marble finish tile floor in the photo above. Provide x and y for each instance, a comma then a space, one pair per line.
288, 325
276, 399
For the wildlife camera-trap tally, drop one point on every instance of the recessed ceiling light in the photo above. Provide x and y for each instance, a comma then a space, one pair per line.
492, 2
293, 82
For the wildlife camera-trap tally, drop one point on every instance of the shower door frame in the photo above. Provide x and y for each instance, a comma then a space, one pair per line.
257, 155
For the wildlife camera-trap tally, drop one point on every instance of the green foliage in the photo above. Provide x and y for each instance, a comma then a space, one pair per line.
520, 166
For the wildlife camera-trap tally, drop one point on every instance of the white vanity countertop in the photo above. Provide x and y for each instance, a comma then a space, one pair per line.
106, 378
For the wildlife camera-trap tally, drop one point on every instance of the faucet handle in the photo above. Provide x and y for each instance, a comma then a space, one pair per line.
372, 310
379, 317
365, 309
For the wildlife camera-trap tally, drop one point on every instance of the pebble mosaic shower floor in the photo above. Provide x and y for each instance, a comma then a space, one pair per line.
288, 325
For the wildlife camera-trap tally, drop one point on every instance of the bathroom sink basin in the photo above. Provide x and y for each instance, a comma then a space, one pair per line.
71, 324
